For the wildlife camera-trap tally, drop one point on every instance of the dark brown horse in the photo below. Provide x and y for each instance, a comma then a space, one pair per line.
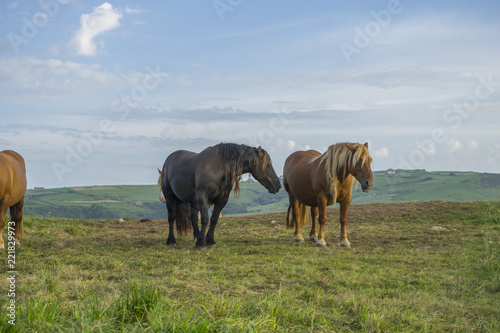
12, 190
190, 182
317, 181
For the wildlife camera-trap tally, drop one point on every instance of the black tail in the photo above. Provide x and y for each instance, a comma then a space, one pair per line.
289, 223
183, 222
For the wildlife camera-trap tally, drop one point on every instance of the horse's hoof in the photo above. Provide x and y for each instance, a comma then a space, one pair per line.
345, 244
312, 239
321, 243
201, 248
298, 239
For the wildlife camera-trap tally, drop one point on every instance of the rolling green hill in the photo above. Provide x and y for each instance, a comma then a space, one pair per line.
141, 201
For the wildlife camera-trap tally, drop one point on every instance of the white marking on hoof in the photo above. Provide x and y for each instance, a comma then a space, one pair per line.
2, 247
321, 243
345, 243
298, 239
18, 243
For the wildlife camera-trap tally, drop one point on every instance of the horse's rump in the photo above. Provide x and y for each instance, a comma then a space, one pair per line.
12, 177
12, 190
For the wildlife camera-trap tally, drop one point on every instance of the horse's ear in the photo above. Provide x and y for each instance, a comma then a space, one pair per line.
366, 145
159, 171
258, 152
351, 147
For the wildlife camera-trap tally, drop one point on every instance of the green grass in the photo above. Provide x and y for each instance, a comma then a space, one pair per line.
401, 275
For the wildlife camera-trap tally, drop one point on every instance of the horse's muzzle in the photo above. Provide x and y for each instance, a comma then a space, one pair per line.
366, 186
273, 189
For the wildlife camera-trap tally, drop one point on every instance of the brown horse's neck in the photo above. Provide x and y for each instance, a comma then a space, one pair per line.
335, 186
321, 167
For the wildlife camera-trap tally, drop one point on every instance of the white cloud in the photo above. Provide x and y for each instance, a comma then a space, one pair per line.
13, 4
134, 11
290, 144
382, 152
473, 145
102, 19
29, 80
453, 145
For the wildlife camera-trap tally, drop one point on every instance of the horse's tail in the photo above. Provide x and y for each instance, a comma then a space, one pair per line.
303, 217
183, 222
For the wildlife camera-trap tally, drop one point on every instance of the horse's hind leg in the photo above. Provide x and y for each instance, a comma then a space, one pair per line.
3, 211
313, 235
171, 219
16, 215
294, 203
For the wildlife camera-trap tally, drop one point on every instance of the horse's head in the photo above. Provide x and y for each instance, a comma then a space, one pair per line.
262, 169
361, 165
162, 197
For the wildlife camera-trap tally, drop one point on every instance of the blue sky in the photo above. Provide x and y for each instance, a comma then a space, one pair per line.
96, 92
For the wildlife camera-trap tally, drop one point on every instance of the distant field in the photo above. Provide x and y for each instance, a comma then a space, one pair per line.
413, 267
109, 202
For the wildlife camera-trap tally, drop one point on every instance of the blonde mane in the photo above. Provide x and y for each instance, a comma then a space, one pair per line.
339, 159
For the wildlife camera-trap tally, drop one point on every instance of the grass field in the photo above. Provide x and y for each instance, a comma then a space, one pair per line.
403, 274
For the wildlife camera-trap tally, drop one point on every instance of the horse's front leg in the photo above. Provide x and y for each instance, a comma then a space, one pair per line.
213, 222
313, 235
344, 206
322, 221
202, 205
194, 214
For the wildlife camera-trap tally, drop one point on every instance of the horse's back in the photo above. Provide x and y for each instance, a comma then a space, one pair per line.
299, 163
12, 176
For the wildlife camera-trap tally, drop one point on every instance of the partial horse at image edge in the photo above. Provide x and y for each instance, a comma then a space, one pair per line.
12, 190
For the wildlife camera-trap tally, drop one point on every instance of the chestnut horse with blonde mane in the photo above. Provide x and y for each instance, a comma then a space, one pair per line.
316, 180
12, 189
